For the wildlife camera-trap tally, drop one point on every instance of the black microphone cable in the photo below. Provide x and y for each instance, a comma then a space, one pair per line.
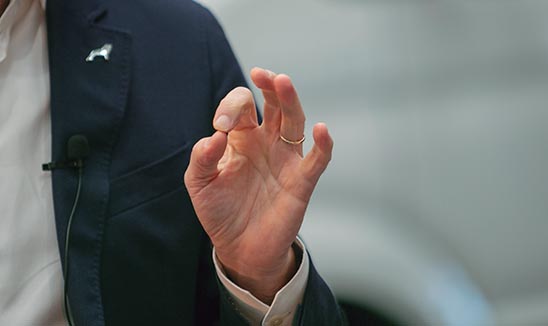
77, 151
68, 312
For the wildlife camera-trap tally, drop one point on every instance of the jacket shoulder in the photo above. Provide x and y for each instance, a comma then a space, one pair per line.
159, 12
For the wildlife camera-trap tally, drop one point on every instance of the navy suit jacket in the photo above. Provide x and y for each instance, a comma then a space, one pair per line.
138, 255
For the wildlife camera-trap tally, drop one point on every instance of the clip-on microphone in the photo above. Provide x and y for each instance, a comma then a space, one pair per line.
77, 151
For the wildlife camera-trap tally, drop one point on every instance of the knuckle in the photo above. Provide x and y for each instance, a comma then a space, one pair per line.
243, 93
247, 98
240, 98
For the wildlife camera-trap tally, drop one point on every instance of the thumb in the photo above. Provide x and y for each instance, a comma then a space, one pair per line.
204, 158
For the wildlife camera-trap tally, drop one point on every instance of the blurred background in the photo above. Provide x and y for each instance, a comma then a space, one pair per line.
434, 210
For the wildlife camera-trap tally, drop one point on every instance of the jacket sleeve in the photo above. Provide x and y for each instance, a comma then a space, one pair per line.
225, 71
319, 306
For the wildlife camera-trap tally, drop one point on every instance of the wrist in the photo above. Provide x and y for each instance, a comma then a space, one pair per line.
262, 280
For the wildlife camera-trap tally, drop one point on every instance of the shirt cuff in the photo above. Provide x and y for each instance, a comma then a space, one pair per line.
287, 299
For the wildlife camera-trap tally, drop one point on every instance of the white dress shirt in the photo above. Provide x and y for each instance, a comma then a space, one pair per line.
31, 282
30, 271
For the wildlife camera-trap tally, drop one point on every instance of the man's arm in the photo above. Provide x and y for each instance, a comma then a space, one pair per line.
250, 188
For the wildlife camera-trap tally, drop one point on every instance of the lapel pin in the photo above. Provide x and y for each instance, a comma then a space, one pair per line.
103, 52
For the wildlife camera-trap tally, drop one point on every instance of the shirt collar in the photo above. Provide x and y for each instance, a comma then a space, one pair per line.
6, 22
8, 17
15, 11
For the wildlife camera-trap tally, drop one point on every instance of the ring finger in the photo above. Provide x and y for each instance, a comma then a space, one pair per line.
293, 118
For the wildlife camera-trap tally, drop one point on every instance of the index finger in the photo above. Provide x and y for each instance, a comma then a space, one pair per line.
236, 111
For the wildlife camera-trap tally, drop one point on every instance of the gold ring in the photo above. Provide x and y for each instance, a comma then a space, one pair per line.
292, 142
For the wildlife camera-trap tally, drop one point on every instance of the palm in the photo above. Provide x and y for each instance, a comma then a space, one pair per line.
249, 188
258, 198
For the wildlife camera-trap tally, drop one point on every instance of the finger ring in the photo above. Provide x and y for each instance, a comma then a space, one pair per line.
292, 142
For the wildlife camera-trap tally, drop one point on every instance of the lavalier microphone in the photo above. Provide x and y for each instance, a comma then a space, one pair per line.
77, 152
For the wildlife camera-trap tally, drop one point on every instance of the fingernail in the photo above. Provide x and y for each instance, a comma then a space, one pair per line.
222, 123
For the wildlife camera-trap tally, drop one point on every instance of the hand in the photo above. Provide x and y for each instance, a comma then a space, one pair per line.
250, 189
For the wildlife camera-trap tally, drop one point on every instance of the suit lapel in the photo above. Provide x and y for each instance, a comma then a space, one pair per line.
87, 98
